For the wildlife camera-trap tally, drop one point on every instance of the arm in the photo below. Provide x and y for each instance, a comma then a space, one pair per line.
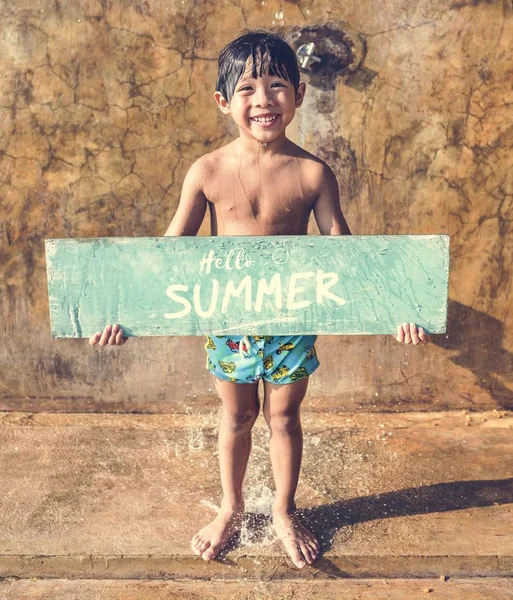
187, 220
193, 203
330, 221
327, 211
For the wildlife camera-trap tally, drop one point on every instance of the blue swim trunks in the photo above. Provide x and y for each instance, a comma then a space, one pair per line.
276, 358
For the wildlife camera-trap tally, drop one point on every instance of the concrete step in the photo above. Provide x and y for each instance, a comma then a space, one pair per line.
388, 496
348, 589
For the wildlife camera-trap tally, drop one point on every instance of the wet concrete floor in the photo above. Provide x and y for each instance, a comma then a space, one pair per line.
418, 504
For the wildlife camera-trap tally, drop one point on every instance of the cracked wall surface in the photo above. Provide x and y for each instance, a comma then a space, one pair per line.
105, 105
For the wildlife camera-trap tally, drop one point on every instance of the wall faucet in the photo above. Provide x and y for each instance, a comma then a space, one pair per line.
306, 55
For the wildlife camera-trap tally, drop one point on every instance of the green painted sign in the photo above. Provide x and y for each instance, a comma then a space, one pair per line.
247, 285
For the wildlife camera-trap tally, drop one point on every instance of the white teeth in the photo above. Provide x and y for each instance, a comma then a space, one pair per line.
266, 120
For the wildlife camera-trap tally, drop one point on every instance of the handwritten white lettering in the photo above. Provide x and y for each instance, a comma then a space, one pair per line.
272, 288
232, 291
213, 301
293, 290
241, 261
322, 287
178, 287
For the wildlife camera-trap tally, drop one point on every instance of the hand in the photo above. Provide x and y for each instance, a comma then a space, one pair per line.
110, 336
408, 333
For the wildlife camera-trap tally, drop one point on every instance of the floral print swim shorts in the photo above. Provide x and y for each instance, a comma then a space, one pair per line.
246, 359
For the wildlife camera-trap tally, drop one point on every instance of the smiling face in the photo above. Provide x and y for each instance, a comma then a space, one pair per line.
262, 107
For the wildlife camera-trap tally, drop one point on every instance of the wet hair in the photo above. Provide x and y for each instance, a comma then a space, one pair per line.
272, 52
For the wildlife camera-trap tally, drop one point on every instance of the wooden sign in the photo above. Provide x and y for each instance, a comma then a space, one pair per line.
247, 285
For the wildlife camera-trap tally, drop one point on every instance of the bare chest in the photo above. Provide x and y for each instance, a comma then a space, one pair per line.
261, 200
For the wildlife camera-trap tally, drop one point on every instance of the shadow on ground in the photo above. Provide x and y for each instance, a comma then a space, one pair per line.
326, 520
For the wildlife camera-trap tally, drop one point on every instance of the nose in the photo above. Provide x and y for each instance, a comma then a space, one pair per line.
263, 96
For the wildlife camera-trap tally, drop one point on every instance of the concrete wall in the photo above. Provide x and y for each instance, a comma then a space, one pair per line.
104, 106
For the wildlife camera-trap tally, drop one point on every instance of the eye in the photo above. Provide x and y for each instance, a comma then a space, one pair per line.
248, 87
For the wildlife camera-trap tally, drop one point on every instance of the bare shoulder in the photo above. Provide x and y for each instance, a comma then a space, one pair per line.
315, 170
203, 170
214, 169
212, 160
200, 167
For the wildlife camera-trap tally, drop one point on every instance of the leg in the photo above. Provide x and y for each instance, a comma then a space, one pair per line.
240, 411
281, 411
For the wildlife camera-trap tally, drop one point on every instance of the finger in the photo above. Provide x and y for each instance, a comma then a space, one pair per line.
120, 340
407, 336
414, 334
105, 336
114, 331
423, 336
93, 340
400, 334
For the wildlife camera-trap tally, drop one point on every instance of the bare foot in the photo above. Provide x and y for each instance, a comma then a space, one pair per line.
300, 544
209, 540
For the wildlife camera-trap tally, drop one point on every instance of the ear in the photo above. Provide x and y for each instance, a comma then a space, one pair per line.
300, 94
222, 103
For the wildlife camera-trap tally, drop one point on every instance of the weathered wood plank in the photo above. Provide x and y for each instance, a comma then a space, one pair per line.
254, 285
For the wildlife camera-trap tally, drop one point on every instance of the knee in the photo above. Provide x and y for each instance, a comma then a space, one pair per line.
282, 421
240, 420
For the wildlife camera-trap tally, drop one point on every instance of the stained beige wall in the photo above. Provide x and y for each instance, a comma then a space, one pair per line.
104, 106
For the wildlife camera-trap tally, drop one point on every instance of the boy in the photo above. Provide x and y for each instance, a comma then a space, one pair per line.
259, 184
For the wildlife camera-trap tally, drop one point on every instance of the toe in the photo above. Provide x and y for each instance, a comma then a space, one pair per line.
215, 547
305, 551
208, 554
298, 559
313, 553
